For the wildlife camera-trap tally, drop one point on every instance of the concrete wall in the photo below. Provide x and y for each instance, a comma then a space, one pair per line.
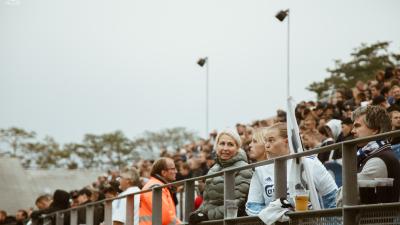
19, 187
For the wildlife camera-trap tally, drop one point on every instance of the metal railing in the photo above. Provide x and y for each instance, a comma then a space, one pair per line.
349, 214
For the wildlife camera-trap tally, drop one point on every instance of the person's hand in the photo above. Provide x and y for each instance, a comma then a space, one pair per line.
197, 217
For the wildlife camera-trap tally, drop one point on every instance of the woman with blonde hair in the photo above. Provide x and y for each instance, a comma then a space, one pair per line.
229, 155
257, 151
276, 145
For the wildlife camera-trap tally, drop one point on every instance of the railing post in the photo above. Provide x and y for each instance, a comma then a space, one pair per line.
229, 187
47, 220
74, 217
108, 213
59, 218
130, 203
89, 214
189, 199
280, 178
349, 174
157, 206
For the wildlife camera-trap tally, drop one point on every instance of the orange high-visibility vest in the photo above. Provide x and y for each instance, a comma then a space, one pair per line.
168, 205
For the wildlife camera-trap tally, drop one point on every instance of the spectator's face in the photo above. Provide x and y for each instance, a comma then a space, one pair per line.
360, 85
360, 129
242, 132
308, 141
396, 120
82, 199
20, 216
226, 147
339, 97
43, 204
396, 93
257, 151
328, 113
309, 123
275, 145
346, 129
170, 172
124, 183
2, 217
374, 92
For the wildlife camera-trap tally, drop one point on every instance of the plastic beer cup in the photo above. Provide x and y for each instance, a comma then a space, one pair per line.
301, 200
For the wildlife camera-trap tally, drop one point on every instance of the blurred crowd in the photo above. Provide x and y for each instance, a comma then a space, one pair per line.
321, 123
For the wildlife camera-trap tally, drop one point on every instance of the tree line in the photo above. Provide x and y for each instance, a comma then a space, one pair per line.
364, 63
104, 151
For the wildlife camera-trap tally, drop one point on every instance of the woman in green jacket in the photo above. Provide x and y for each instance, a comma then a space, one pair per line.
229, 155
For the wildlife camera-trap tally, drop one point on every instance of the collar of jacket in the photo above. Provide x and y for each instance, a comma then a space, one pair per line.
240, 156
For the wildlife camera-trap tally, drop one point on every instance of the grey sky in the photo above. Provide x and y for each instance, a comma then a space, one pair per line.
70, 67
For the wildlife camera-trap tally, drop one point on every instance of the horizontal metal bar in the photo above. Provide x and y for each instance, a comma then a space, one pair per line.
395, 133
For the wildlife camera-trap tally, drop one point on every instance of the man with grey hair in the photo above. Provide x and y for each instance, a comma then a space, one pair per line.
129, 182
375, 159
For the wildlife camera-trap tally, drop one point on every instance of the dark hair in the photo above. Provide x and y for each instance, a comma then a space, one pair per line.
24, 213
60, 199
385, 90
325, 130
347, 121
378, 100
85, 191
388, 73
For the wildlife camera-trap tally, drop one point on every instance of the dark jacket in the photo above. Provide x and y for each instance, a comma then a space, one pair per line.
60, 202
392, 165
98, 214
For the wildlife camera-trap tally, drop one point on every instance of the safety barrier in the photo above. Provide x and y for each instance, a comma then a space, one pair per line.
349, 214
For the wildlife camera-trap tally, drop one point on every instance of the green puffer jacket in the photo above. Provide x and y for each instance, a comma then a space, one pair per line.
213, 204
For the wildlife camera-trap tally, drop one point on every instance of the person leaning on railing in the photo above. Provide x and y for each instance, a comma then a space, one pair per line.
60, 202
261, 192
229, 155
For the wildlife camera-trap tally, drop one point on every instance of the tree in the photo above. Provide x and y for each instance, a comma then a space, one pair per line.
365, 62
151, 143
15, 138
118, 149
45, 155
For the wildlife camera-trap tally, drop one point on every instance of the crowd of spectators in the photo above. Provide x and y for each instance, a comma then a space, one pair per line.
321, 123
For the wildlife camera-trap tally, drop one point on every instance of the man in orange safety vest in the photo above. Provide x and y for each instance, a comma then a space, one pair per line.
162, 172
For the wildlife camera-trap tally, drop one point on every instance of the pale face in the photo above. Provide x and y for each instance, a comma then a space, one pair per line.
275, 145
360, 129
310, 123
395, 119
124, 183
20, 216
170, 172
374, 92
257, 151
308, 141
396, 93
44, 204
226, 147
82, 199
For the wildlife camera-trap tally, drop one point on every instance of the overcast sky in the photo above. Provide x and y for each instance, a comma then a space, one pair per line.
70, 67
